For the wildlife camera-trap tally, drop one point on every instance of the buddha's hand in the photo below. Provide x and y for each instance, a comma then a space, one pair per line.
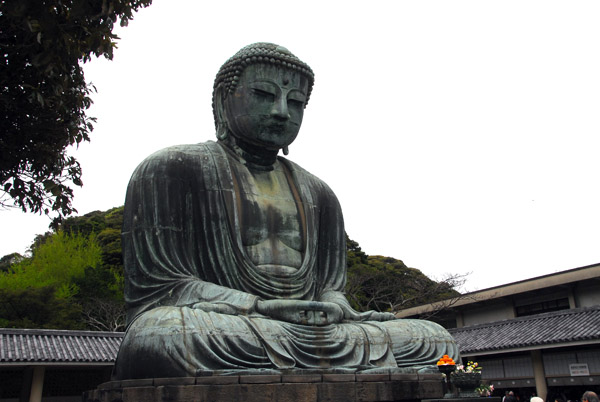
350, 314
301, 311
353, 315
221, 308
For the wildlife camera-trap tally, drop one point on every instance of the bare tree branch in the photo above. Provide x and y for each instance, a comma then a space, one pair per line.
104, 315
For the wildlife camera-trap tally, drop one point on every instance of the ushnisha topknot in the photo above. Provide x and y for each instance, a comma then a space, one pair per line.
262, 52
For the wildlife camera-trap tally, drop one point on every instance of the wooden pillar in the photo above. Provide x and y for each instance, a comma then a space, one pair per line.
460, 319
572, 298
541, 387
37, 384
26, 387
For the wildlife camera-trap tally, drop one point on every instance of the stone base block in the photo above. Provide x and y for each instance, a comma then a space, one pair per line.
274, 388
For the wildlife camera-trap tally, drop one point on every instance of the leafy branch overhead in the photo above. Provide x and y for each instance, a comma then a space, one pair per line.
44, 95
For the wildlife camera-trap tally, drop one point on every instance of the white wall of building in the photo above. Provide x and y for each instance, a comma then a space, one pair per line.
587, 295
487, 314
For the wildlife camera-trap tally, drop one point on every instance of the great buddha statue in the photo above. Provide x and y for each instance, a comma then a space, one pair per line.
235, 257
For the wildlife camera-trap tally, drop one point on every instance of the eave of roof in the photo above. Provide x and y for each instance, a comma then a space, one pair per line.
555, 279
19, 346
556, 329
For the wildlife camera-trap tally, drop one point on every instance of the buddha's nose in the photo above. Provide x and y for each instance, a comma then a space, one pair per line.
280, 109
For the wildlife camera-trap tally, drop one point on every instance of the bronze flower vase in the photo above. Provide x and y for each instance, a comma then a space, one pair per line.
447, 369
466, 383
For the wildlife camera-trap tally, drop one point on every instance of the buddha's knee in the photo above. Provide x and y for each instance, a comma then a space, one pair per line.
178, 341
415, 329
419, 342
147, 348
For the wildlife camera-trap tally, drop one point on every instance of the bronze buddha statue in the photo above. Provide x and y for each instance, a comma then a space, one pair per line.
235, 257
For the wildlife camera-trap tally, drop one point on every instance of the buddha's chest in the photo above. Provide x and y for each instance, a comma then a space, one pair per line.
270, 220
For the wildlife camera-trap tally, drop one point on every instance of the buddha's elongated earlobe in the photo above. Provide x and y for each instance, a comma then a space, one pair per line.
285, 150
221, 120
222, 131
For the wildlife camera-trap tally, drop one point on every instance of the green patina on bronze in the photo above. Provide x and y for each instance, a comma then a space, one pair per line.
235, 257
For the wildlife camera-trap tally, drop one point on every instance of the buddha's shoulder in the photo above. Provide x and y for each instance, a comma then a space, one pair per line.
178, 153
185, 157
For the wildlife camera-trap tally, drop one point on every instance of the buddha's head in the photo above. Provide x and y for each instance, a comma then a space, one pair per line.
259, 96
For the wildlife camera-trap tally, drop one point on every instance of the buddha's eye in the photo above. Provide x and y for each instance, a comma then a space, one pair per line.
295, 103
296, 99
265, 95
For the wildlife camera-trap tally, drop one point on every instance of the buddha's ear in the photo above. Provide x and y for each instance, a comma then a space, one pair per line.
220, 115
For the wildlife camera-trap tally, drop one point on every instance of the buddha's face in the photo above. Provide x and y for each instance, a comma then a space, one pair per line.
267, 105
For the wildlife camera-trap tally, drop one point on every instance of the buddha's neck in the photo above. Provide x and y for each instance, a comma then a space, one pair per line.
252, 155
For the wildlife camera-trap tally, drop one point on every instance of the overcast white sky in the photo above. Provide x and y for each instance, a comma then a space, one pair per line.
459, 136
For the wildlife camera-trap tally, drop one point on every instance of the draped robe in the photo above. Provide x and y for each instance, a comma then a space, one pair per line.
191, 289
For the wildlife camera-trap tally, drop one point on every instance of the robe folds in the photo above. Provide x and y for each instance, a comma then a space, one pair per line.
191, 289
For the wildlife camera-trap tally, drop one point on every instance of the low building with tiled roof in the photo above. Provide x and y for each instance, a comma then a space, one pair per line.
543, 331
54, 365
538, 336
22, 346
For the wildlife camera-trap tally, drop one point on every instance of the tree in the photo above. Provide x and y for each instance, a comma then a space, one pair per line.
44, 95
57, 262
75, 271
42, 291
8, 260
38, 308
387, 284
101, 298
77, 268
101, 288
104, 314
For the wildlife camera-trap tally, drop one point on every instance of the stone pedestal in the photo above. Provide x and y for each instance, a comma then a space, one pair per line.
478, 399
273, 388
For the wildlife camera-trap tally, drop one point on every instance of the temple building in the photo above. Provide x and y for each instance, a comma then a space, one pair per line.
54, 365
537, 336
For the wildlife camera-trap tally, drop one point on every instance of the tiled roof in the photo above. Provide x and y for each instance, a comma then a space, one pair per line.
559, 327
58, 346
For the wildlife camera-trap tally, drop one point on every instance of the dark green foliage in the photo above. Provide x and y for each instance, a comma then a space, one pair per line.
355, 255
38, 308
41, 291
77, 270
107, 226
39, 240
62, 258
44, 95
101, 298
8, 260
386, 284
101, 289
110, 240
87, 224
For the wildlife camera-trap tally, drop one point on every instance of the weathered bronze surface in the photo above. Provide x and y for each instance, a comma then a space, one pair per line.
235, 257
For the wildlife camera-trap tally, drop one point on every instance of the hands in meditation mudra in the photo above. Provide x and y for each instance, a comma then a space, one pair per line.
235, 258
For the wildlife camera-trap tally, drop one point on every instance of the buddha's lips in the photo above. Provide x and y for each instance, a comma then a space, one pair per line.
276, 128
